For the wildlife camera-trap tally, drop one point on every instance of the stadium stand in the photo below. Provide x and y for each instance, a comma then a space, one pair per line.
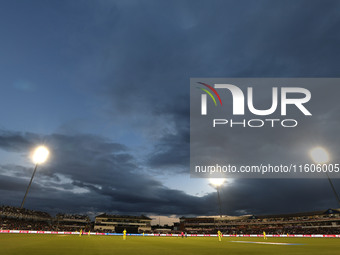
319, 222
14, 218
15, 212
117, 223
71, 222
325, 222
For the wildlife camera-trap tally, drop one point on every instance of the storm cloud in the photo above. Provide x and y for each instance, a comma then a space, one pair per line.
90, 174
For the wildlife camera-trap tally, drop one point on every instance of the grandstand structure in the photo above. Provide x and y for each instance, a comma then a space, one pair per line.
70, 222
117, 223
13, 218
16, 218
326, 222
318, 222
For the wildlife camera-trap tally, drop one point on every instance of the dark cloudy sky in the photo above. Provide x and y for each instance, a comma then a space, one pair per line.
105, 85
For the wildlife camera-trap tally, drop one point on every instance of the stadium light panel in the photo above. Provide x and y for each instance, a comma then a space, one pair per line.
40, 155
319, 155
217, 182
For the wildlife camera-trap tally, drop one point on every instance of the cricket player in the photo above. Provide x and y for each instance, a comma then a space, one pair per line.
219, 233
264, 235
124, 234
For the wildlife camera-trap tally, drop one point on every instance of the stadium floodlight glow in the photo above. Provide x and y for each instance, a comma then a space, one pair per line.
39, 156
217, 182
319, 155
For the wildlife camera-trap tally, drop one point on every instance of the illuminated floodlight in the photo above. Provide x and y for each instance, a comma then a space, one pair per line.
40, 155
319, 155
217, 182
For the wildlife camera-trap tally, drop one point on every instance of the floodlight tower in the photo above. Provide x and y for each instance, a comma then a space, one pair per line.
320, 156
217, 183
39, 156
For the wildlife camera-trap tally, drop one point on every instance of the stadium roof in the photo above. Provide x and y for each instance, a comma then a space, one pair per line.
301, 214
328, 211
142, 217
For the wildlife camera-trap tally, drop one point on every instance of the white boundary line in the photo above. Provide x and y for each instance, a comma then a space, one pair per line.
266, 243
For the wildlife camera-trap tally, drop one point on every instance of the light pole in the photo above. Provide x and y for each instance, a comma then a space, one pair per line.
217, 183
40, 155
320, 156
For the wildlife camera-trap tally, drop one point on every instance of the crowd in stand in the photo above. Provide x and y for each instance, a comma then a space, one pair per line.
72, 216
284, 231
15, 212
22, 224
13, 218
270, 231
15, 224
304, 220
327, 222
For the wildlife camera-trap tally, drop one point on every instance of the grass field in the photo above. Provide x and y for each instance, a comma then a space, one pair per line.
86, 245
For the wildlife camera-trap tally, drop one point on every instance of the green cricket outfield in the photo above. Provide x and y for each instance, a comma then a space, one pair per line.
85, 245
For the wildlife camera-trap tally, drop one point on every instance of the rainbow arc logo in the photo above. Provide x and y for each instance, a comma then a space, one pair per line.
204, 97
209, 93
